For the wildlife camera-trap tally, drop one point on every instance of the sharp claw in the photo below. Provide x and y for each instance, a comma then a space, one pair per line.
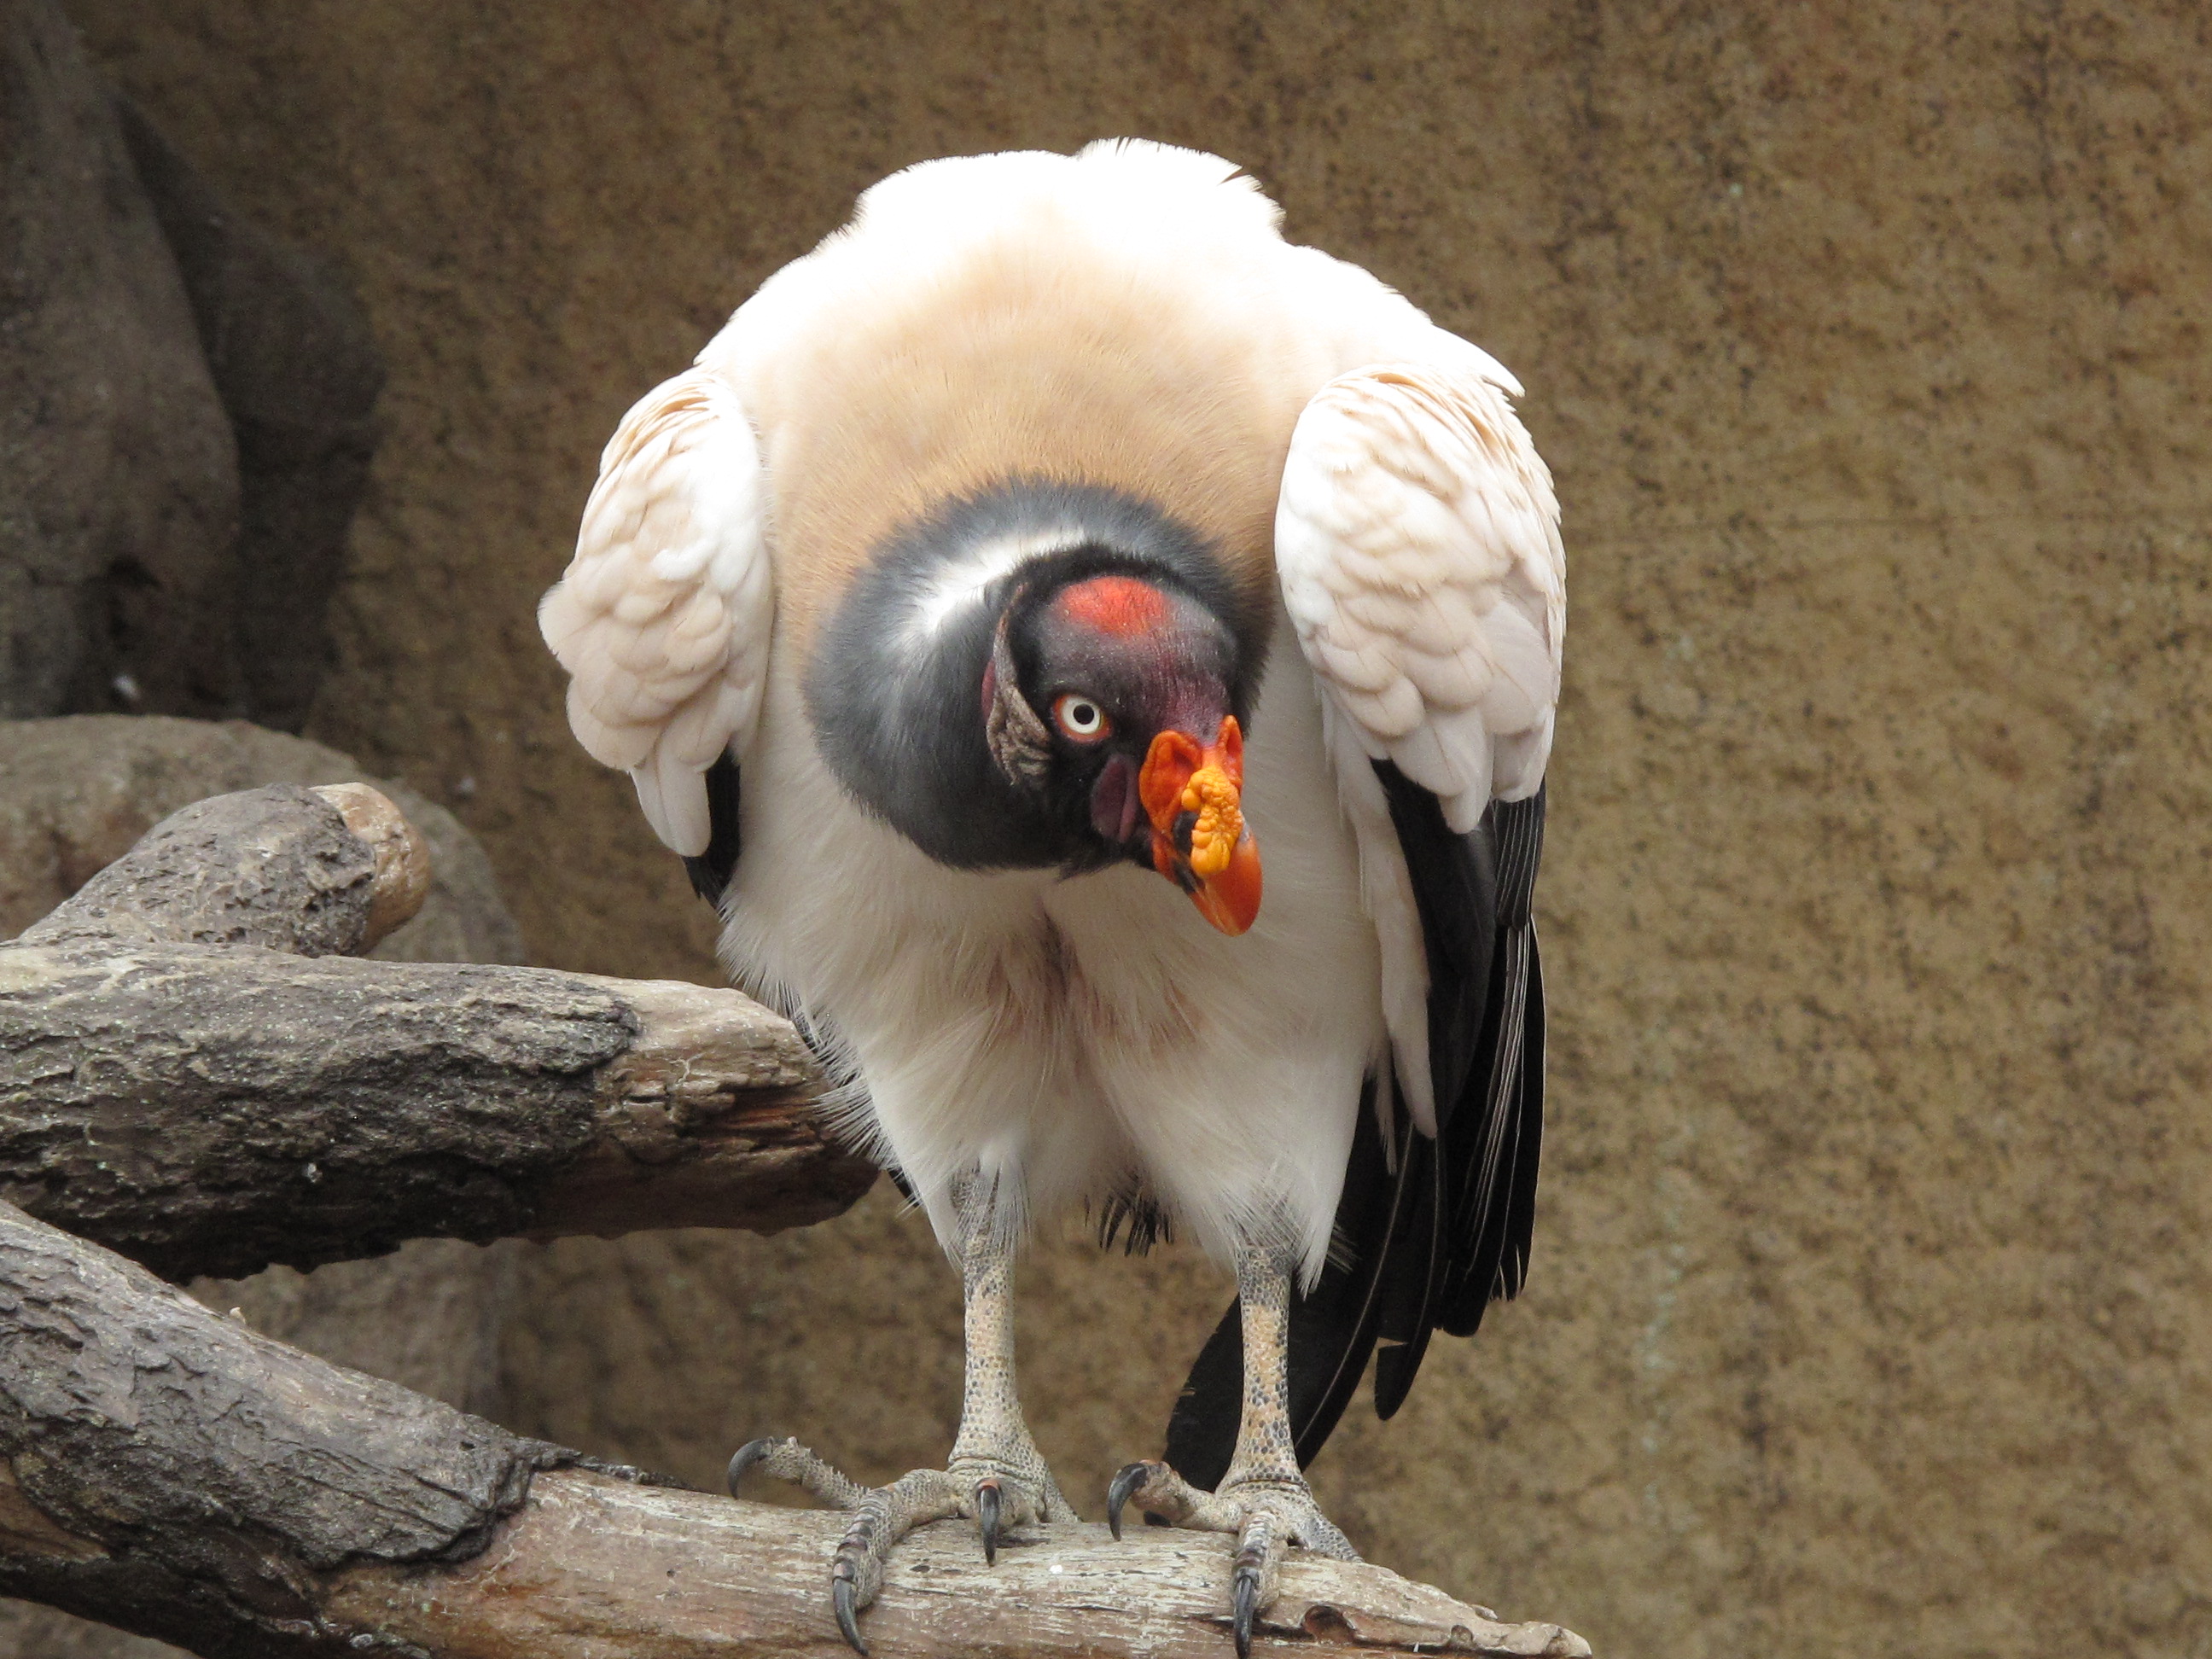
1131, 1477
747, 1454
842, 1596
986, 1518
1244, 1600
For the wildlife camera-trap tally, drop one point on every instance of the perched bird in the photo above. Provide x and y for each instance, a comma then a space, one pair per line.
1005, 576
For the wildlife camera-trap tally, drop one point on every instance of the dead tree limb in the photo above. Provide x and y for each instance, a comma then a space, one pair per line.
194, 1072
313, 873
173, 1472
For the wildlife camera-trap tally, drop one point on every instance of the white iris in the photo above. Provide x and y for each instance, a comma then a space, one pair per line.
1079, 716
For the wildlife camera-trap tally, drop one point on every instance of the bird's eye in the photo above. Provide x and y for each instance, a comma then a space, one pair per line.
1079, 717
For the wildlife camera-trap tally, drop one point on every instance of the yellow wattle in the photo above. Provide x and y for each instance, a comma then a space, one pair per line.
1220, 821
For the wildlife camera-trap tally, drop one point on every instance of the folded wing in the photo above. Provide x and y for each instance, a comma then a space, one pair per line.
1418, 544
664, 617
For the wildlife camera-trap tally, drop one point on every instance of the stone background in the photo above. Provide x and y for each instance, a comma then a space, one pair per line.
1873, 1303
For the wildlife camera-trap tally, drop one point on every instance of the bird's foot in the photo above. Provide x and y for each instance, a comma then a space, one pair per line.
999, 1497
1266, 1513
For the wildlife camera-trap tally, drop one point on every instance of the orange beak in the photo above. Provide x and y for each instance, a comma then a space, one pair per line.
1193, 797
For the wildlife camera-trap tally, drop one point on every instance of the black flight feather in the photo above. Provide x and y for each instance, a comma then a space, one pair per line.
1495, 1151
1456, 888
710, 872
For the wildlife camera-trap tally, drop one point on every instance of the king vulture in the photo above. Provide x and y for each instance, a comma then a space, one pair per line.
1005, 579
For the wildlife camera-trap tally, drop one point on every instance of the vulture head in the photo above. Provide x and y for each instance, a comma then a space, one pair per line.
1073, 700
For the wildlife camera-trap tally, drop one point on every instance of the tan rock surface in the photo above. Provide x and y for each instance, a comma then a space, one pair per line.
1871, 1308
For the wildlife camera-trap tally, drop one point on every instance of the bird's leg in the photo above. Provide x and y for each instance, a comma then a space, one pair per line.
1009, 1485
995, 1476
1263, 1498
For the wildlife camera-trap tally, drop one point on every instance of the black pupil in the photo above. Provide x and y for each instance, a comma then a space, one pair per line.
1082, 716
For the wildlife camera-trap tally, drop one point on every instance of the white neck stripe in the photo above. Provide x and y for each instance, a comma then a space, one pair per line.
962, 581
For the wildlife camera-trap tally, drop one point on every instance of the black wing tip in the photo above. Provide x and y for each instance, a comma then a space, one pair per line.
710, 871
1396, 1365
1475, 895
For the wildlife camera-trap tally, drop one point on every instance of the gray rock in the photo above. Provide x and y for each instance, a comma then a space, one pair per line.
118, 485
297, 370
75, 794
186, 416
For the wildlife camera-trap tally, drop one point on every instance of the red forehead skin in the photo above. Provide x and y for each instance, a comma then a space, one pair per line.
1114, 605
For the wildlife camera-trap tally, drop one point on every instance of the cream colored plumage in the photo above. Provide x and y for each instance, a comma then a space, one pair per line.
1417, 542
1127, 321
664, 618
1416, 534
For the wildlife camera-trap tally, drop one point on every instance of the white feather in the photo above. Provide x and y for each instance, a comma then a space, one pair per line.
964, 581
664, 618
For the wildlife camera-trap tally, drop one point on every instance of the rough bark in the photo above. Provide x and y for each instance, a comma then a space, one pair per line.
173, 1472
77, 793
177, 1084
308, 871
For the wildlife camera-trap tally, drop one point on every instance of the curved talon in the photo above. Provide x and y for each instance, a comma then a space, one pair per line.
843, 1597
1125, 1484
745, 1456
1244, 1598
987, 1519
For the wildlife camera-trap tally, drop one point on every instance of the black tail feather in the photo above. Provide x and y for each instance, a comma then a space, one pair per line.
1415, 1270
1202, 1429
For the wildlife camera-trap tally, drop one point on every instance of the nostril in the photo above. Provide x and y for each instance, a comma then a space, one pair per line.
1114, 799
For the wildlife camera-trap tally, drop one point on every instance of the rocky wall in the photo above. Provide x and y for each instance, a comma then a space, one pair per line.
1871, 1309
186, 416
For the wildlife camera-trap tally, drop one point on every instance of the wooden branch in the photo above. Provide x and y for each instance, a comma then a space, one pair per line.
324, 872
174, 1472
594, 1568
193, 1073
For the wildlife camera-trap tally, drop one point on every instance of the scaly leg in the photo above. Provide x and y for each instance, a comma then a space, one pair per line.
1263, 1498
995, 1476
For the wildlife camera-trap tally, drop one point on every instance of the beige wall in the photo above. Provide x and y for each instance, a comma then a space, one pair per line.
1872, 1302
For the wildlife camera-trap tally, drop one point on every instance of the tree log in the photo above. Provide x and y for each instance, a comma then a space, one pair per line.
193, 1073
314, 872
179, 1474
